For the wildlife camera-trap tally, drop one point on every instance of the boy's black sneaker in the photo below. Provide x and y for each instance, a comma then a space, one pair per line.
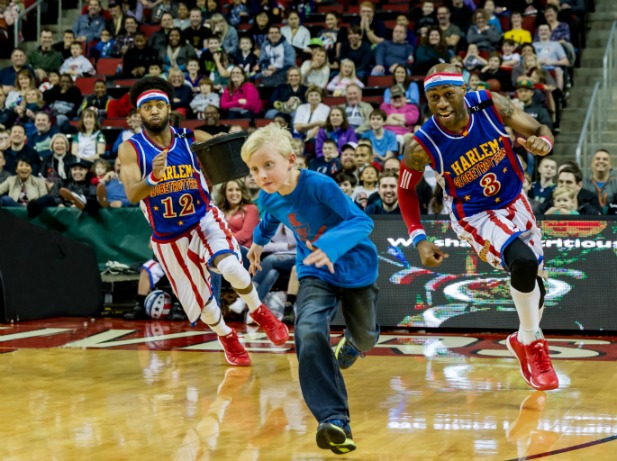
335, 435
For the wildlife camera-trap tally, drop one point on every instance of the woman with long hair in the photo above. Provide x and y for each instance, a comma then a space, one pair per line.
242, 215
347, 76
177, 52
433, 49
287, 97
24, 81
240, 98
332, 35
226, 33
401, 77
312, 115
337, 128
89, 143
296, 34
315, 71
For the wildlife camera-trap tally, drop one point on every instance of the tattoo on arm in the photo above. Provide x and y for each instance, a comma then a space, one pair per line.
504, 106
416, 157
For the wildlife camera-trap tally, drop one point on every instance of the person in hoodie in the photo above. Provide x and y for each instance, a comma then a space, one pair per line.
240, 98
276, 56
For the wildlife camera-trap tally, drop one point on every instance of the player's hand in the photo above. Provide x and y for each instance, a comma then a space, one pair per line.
159, 164
431, 254
535, 145
254, 257
318, 258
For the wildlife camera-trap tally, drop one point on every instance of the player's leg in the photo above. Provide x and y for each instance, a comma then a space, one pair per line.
190, 281
321, 380
362, 332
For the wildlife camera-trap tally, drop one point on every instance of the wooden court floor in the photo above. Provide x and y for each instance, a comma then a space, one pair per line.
80, 389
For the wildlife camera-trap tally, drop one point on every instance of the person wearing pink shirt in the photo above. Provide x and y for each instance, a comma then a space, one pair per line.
240, 98
402, 116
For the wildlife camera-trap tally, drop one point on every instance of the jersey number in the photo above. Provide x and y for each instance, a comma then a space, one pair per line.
490, 184
185, 201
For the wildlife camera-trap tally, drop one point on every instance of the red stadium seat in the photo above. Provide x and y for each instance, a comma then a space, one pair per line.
149, 29
191, 124
399, 7
529, 23
86, 84
125, 81
332, 101
261, 122
383, 81
115, 122
330, 9
108, 66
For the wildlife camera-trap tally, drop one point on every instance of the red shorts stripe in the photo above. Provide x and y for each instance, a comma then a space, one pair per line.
187, 273
163, 262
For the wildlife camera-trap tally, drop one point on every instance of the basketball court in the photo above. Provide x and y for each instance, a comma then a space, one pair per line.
114, 390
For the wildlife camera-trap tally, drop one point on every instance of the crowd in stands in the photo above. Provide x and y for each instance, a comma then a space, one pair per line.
345, 77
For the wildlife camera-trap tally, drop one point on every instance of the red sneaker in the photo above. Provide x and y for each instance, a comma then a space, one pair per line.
542, 376
235, 354
276, 330
517, 349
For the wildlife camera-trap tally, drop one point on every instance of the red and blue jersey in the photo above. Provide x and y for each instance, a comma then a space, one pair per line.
177, 203
477, 165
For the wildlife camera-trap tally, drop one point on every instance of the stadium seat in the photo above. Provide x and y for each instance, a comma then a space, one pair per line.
261, 122
191, 124
529, 24
115, 122
332, 101
86, 84
383, 81
149, 29
108, 66
125, 81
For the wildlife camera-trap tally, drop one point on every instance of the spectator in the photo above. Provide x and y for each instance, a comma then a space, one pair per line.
332, 37
78, 192
392, 53
401, 115
89, 26
338, 85
137, 59
588, 203
181, 18
433, 50
357, 50
373, 29
104, 48
8, 75
489, 8
542, 190
287, 97
347, 182
451, 33
44, 58
19, 149
603, 179
516, 33
64, 100
564, 202
457, 61
312, 115
525, 92
348, 163
237, 13
240, 98
551, 54
206, 97
115, 24
77, 65
246, 58
212, 124
98, 100
162, 8
126, 39
135, 126
26, 112
110, 190
158, 40
387, 203
296, 34
368, 179
336, 128
23, 187
207, 64
424, 18
226, 33
183, 93
461, 15
24, 81
196, 32
524, 66
494, 71
486, 36
472, 61
133, 9
177, 53
401, 77
241, 214
358, 112
383, 141
276, 57
259, 31
64, 47
44, 132
89, 143
329, 164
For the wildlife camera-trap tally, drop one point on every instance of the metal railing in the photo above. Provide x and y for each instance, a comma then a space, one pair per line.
24, 13
595, 122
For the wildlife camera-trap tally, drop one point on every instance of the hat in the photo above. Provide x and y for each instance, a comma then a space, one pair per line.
351, 144
81, 163
483, 85
396, 91
315, 42
525, 83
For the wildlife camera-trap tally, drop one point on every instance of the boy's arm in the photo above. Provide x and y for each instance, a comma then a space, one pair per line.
265, 230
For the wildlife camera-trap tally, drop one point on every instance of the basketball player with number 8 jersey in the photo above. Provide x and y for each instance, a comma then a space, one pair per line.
189, 233
466, 143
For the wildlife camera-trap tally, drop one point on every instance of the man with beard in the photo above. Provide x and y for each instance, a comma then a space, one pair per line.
387, 203
466, 143
189, 233
212, 116
348, 163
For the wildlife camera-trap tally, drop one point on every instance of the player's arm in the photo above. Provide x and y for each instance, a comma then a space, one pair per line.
201, 136
538, 139
415, 160
136, 188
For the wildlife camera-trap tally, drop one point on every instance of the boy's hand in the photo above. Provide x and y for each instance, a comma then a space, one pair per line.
254, 257
318, 258
431, 254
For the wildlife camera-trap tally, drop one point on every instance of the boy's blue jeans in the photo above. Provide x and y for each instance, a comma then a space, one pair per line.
321, 379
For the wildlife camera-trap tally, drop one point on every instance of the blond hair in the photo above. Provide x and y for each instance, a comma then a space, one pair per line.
279, 138
564, 190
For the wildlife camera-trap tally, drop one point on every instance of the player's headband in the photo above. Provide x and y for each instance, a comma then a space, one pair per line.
151, 95
443, 78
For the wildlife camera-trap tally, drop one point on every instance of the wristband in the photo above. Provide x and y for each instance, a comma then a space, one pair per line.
151, 180
418, 238
548, 141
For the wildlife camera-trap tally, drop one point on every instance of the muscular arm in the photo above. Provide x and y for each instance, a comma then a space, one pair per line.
136, 188
201, 136
525, 124
415, 157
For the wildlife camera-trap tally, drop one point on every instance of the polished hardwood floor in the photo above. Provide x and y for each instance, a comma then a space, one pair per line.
80, 389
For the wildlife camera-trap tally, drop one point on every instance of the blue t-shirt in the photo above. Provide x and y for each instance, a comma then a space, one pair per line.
319, 211
381, 146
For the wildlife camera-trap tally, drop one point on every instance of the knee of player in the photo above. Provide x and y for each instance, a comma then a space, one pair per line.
233, 271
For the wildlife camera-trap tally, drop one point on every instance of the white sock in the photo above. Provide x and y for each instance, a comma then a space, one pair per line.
528, 314
212, 316
251, 299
